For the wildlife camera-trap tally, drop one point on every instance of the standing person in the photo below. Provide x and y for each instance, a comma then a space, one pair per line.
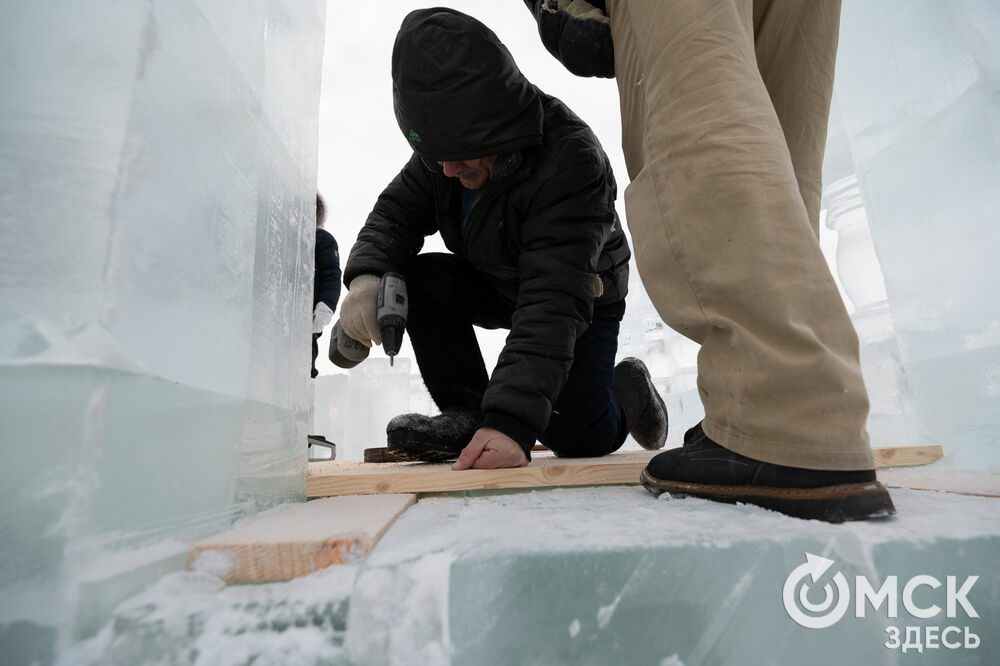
326, 293
724, 109
523, 196
326, 280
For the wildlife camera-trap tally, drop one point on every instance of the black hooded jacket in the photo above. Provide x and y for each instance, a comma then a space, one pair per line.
540, 230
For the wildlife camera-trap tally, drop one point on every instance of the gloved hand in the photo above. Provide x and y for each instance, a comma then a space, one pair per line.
359, 311
322, 316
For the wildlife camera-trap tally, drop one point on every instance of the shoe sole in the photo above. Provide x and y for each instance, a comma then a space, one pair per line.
833, 504
413, 447
663, 406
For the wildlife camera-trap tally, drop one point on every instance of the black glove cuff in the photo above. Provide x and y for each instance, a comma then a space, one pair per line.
583, 46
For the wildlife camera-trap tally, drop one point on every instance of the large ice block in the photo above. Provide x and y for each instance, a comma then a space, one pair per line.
917, 84
613, 576
604, 575
158, 170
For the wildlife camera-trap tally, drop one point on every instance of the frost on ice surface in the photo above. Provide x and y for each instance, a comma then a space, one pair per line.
194, 618
401, 612
604, 613
508, 578
214, 563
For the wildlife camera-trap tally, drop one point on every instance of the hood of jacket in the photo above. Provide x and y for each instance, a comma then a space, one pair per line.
457, 92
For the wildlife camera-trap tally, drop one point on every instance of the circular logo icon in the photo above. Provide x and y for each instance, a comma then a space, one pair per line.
823, 614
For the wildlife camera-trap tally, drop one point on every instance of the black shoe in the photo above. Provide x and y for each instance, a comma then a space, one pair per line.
702, 468
421, 438
645, 413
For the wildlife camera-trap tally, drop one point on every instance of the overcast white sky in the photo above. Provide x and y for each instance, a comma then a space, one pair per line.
360, 146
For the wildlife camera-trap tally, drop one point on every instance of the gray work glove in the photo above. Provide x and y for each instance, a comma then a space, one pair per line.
359, 311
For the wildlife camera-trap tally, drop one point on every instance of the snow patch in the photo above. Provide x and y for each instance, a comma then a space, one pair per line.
214, 563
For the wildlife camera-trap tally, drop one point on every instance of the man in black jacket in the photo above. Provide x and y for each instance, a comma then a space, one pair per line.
523, 196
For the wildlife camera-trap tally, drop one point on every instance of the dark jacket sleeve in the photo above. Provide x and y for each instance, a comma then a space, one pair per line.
394, 231
561, 239
578, 36
326, 282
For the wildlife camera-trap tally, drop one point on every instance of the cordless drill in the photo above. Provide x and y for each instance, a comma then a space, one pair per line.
346, 352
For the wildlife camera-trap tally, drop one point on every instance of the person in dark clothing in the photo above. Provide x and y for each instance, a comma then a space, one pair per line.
523, 196
326, 281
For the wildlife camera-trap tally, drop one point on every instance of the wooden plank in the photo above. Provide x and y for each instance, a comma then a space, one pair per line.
906, 456
299, 540
357, 478
982, 484
352, 477
380, 455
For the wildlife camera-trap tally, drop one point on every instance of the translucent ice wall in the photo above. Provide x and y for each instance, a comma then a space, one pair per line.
918, 89
158, 174
912, 214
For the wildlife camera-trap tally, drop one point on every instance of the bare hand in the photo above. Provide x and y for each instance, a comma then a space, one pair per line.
490, 449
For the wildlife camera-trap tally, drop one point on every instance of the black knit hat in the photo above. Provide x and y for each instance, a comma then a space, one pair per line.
456, 90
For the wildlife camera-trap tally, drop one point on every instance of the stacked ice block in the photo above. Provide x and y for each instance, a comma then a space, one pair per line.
158, 174
917, 85
597, 576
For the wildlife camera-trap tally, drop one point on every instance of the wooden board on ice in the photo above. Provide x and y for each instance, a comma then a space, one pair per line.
300, 539
353, 477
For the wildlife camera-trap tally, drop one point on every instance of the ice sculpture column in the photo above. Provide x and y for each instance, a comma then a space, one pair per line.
158, 174
918, 85
890, 420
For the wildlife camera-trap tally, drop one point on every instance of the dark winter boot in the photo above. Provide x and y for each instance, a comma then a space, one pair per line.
645, 413
422, 438
702, 468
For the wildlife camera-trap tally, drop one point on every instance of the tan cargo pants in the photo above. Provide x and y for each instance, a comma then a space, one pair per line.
724, 110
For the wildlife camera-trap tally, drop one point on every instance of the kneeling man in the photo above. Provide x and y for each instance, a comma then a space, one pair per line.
523, 196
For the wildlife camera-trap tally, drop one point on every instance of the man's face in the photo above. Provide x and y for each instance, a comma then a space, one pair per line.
473, 174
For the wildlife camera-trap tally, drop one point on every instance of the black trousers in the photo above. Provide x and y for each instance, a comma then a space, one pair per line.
448, 296
315, 372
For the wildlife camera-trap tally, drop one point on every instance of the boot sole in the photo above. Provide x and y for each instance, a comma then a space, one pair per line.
663, 407
833, 504
414, 447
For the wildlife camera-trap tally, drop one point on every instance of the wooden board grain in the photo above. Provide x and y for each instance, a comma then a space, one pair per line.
299, 540
906, 456
347, 477
354, 477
